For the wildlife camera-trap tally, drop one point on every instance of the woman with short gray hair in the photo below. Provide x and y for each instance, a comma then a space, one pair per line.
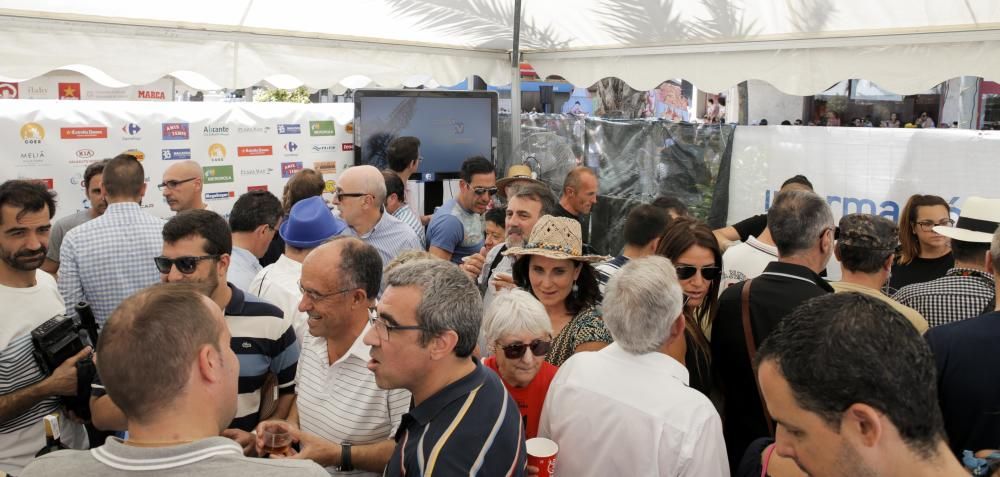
519, 333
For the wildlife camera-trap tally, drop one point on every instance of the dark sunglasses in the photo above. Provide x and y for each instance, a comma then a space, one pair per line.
516, 350
708, 273
483, 190
185, 265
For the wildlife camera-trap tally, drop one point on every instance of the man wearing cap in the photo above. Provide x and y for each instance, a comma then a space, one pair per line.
308, 226
360, 197
968, 289
866, 251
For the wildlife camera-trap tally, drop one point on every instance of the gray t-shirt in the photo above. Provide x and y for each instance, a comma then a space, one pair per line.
215, 456
61, 228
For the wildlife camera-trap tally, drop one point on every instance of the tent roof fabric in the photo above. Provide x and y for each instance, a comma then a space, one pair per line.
800, 46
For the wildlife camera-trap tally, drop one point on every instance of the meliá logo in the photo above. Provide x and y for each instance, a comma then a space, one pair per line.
250, 151
175, 131
324, 147
289, 129
215, 131
220, 195
217, 152
181, 154
32, 133
288, 169
85, 153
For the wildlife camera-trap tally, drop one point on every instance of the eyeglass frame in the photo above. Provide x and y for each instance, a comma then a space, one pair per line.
337, 194
172, 184
317, 297
698, 271
478, 191
508, 349
928, 225
374, 321
173, 262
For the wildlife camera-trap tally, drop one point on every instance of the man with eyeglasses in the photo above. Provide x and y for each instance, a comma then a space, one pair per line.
196, 249
802, 228
360, 198
457, 228
463, 422
182, 186
341, 419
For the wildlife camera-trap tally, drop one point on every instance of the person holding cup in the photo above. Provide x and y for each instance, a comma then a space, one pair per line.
518, 330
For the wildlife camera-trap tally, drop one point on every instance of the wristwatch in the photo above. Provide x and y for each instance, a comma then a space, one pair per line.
345, 458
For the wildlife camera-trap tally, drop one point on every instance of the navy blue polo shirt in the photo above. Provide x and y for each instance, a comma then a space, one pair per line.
471, 427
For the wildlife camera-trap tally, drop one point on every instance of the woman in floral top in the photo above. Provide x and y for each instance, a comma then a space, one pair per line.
553, 269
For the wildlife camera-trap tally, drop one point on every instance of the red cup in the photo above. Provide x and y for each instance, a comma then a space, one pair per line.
542, 454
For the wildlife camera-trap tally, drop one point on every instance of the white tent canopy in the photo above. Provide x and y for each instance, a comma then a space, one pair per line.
800, 46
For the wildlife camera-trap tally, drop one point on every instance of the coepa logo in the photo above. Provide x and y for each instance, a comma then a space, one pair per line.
217, 152
32, 133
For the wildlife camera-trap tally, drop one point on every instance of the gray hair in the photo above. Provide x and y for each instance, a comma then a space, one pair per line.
536, 192
796, 220
448, 301
515, 311
641, 303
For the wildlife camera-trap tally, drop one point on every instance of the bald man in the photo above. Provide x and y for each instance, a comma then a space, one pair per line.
359, 196
181, 186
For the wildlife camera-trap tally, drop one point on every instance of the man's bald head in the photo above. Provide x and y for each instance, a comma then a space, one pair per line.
355, 263
367, 179
182, 185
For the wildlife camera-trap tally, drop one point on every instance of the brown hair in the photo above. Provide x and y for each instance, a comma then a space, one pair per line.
303, 185
148, 346
681, 234
909, 245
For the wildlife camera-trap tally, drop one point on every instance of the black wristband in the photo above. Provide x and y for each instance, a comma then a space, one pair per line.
345, 458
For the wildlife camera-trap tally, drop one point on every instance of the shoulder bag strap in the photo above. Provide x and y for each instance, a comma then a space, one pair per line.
752, 349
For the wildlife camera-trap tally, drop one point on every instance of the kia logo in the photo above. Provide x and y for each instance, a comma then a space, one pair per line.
85, 153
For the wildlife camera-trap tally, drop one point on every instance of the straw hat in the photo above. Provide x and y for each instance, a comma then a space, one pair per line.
977, 222
514, 173
558, 238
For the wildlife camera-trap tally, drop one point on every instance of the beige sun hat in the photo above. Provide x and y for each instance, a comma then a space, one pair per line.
517, 172
558, 238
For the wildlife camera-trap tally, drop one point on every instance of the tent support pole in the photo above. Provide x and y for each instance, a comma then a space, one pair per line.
515, 91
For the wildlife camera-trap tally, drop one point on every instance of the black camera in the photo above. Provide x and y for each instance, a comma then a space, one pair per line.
62, 337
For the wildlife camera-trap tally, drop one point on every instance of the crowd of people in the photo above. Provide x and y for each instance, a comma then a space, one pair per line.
382, 341
833, 118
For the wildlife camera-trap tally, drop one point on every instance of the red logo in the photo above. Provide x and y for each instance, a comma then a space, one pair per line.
87, 132
260, 187
244, 151
143, 94
69, 91
8, 90
46, 182
347, 146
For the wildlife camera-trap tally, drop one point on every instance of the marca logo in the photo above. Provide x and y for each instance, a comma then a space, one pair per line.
8, 90
254, 129
257, 187
249, 151
69, 91
217, 152
289, 129
218, 174
131, 131
32, 133
137, 154
325, 167
347, 146
322, 128
89, 132
85, 153
215, 131
261, 171
175, 131
144, 94
288, 169
175, 154
324, 148
220, 195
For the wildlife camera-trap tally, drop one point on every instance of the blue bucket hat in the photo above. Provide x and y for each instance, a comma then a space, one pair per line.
310, 223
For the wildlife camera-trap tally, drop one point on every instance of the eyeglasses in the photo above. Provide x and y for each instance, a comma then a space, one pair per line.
317, 296
710, 273
173, 184
383, 327
517, 350
339, 194
928, 225
185, 265
485, 190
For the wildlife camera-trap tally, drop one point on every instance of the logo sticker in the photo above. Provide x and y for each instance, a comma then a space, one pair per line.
88, 132
175, 131
175, 154
322, 128
249, 151
217, 152
288, 169
218, 174
32, 133
289, 129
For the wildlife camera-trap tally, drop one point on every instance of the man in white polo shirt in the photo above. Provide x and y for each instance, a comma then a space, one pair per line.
345, 421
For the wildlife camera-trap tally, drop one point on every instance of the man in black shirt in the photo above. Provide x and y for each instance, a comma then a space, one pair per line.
802, 227
755, 225
579, 194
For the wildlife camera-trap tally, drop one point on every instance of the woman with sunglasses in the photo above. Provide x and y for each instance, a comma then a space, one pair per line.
519, 334
924, 254
551, 266
692, 248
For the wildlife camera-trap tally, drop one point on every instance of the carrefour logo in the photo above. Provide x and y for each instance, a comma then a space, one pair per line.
131, 129
290, 147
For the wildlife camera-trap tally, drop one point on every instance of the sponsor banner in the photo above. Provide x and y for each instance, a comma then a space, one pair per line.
218, 174
215, 130
84, 153
150, 94
32, 133
330, 186
8, 90
216, 152
289, 129
257, 187
325, 148
88, 132
181, 154
69, 91
322, 128
288, 169
347, 146
257, 171
220, 195
290, 147
48, 183
867, 170
130, 132
326, 167
175, 131
250, 151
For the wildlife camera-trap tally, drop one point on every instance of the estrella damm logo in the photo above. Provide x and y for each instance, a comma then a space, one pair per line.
32, 133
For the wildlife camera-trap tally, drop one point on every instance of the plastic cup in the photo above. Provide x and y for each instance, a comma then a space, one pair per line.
542, 454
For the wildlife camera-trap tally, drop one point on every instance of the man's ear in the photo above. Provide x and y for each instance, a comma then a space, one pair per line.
862, 424
989, 263
443, 345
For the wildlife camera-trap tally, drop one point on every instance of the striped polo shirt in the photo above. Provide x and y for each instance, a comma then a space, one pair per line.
340, 402
408, 217
471, 427
390, 237
264, 342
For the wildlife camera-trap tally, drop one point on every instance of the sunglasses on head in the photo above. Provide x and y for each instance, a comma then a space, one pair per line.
483, 190
516, 350
185, 265
708, 273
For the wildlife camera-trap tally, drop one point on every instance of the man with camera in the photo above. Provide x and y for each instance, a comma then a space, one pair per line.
32, 298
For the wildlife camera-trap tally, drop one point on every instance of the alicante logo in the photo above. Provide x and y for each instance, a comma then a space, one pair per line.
218, 174
217, 152
32, 133
215, 131
322, 128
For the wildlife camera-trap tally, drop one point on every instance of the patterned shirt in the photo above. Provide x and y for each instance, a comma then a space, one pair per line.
408, 217
107, 259
587, 326
607, 269
390, 236
961, 294
456, 230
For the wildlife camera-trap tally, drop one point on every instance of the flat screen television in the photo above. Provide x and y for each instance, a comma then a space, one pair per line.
451, 125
